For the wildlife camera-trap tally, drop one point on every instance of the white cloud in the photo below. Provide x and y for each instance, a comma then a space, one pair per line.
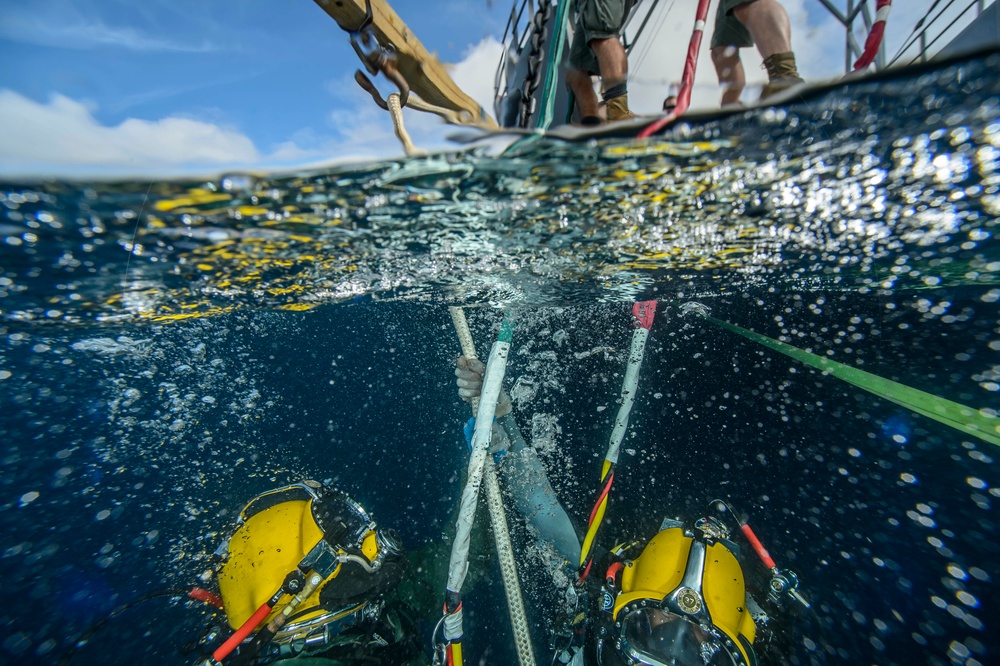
477, 71
62, 138
63, 134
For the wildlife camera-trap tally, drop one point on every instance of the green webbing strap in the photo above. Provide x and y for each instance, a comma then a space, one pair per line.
549, 88
966, 419
546, 111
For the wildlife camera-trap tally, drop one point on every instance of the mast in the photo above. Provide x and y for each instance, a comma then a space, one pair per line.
423, 72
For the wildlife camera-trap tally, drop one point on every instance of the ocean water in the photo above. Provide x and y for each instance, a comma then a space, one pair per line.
171, 349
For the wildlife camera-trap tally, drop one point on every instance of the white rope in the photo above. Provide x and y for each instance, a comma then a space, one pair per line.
501, 533
458, 567
397, 123
508, 568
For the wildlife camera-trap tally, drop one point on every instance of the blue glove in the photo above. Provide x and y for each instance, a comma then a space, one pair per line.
470, 429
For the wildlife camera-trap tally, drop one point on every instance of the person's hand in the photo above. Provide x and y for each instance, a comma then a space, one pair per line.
469, 373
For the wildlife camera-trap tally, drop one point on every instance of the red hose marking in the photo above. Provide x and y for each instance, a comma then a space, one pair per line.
643, 312
226, 648
687, 80
586, 572
874, 39
612, 571
757, 546
200, 594
604, 493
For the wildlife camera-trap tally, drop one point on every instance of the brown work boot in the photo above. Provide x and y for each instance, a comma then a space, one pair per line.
618, 109
781, 74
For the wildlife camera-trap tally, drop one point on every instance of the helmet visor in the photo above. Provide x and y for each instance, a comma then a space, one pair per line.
342, 520
660, 638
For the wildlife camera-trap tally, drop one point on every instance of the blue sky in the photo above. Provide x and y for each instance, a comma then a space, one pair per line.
160, 85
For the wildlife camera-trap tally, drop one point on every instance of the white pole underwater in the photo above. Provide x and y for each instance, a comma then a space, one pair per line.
480, 465
643, 313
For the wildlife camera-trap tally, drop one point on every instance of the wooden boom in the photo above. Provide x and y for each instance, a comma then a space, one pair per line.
425, 73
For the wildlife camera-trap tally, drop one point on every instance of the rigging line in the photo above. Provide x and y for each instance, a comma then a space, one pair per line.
908, 42
642, 27
135, 232
946, 28
647, 47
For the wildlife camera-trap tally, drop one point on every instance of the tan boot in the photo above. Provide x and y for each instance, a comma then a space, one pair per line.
781, 74
618, 109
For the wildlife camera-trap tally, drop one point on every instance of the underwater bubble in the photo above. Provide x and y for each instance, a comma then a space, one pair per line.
956, 572
17, 643
103, 514
979, 574
908, 478
967, 599
28, 498
236, 182
5, 374
958, 651
974, 623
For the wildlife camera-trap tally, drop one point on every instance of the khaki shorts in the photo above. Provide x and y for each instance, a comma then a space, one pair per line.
597, 19
728, 29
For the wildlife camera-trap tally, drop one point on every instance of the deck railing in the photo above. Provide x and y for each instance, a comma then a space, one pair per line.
944, 20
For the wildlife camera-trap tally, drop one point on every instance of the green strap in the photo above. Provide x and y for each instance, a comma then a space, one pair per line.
966, 419
506, 330
549, 88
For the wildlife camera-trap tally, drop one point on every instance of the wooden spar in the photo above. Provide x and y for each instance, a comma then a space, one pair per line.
425, 73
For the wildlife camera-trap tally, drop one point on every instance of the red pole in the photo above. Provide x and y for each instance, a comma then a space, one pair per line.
687, 79
874, 40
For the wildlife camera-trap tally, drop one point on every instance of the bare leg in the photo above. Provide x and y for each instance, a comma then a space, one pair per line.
729, 69
613, 62
583, 89
768, 24
612, 59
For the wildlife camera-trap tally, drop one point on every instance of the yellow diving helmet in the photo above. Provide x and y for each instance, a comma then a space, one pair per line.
308, 528
681, 602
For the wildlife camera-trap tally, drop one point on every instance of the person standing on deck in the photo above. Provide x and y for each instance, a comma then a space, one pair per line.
742, 24
598, 51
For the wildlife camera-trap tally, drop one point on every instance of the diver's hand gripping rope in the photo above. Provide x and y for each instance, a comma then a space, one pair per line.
642, 319
495, 367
